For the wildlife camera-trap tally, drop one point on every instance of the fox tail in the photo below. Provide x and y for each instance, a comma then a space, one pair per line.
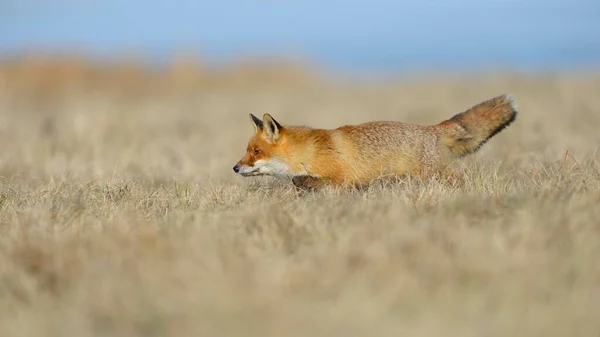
466, 132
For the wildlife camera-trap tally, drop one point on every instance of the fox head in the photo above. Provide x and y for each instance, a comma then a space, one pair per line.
265, 153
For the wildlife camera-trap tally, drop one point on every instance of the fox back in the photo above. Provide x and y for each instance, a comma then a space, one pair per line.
357, 154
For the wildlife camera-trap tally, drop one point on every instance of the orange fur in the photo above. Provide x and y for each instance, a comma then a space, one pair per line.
357, 154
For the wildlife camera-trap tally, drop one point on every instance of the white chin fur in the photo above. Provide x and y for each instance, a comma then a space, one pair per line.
271, 167
246, 170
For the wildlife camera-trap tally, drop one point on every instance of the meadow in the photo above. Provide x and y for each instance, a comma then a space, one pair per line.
120, 214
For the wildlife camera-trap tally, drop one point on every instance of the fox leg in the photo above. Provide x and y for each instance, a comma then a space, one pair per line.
307, 183
448, 175
453, 177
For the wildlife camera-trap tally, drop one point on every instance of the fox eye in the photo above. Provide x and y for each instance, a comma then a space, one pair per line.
256, 152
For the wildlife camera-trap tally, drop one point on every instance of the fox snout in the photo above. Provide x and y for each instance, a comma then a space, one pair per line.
242, 169
245, 170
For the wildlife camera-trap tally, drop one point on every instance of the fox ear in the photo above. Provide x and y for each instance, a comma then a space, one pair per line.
271, 128
258, 124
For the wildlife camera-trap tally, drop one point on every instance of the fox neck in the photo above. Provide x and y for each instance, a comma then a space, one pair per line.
300, 149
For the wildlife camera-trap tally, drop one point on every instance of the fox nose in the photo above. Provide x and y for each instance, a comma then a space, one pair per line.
236, 169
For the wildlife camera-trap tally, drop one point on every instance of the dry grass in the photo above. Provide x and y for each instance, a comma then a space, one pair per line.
120, 214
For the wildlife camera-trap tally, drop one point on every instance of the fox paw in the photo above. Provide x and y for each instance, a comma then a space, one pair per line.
306, 182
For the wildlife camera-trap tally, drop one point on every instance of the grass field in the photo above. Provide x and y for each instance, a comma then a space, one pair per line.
120, 214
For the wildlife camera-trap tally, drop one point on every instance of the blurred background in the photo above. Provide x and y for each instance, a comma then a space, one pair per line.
351, 37
86, 85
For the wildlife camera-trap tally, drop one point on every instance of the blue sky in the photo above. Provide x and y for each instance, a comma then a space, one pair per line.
352, 34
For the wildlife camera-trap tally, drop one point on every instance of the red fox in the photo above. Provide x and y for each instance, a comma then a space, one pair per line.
355, 155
